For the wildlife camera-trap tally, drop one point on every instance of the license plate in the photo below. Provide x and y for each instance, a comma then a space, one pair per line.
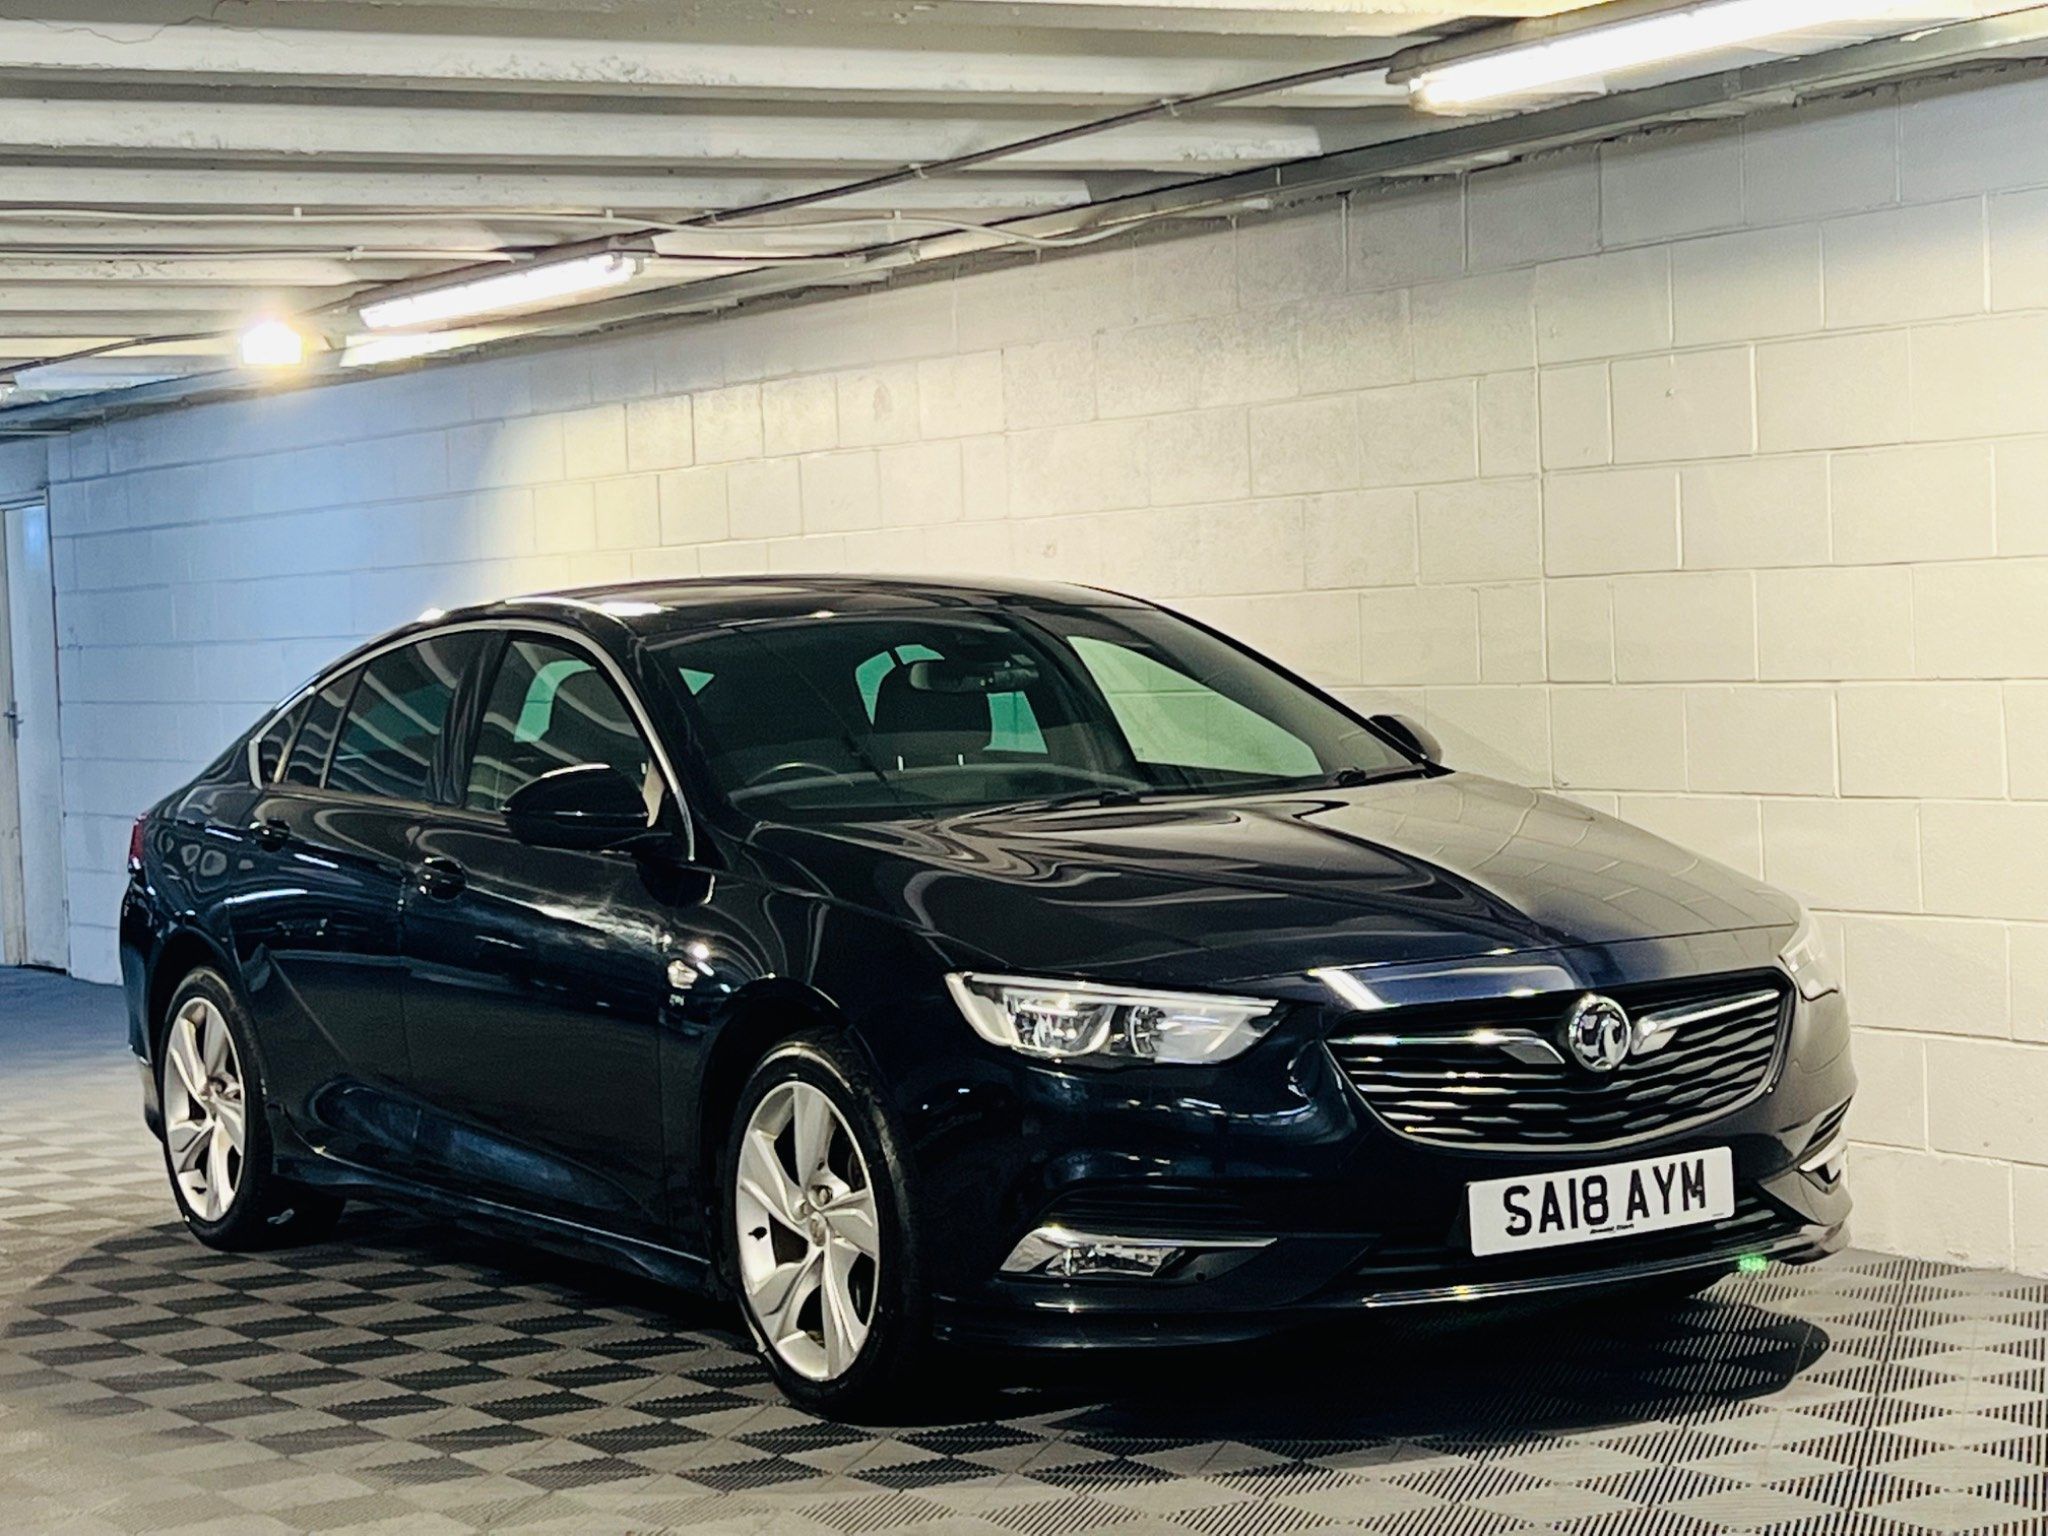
1546, 1210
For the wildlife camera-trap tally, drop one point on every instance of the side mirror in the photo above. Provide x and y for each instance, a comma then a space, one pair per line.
1406, 733
589, 807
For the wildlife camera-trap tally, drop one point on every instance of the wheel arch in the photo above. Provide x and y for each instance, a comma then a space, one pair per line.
759, 1018
185, 950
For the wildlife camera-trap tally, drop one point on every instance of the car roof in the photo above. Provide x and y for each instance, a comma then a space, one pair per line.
696, 603
611, 614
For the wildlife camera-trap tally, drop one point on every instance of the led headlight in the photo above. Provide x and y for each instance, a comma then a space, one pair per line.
1806, 960
1064, 1019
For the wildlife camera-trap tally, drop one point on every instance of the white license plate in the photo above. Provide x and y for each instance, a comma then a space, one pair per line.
1583, 1205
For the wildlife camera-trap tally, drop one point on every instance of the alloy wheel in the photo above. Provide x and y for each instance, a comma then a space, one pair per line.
809, 1241
206, 1127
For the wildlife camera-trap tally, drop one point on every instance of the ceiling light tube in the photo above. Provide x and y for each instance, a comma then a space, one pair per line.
522, 288
1576, 61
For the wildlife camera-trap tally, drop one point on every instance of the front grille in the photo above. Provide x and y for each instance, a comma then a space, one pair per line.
1415, 1261
1450, 1077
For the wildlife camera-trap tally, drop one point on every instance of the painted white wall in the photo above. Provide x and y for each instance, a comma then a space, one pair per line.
1705, 476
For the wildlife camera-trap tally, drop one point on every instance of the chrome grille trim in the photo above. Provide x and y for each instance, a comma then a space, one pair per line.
1705, 1052
1655, 1030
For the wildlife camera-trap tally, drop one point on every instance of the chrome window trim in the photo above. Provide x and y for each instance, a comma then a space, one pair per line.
255, 763
554, 630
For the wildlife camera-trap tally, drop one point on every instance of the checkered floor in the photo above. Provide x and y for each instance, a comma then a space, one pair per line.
399, 1378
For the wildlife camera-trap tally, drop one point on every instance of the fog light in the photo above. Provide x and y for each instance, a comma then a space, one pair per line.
1058, 1253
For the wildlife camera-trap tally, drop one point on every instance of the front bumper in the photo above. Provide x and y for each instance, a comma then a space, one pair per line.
1294, 1281
1293, 1201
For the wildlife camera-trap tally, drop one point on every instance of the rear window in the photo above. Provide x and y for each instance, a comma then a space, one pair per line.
388, 745
271, 745
307, 764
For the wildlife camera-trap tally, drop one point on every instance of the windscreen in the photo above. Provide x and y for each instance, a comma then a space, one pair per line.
847, 716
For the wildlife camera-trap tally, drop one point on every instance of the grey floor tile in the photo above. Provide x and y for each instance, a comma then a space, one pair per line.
403, 1378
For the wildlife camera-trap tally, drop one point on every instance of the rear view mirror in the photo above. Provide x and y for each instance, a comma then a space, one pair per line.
1010, 674
590, 806
1417, 739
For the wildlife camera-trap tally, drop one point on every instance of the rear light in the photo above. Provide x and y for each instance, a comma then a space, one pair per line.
135, 845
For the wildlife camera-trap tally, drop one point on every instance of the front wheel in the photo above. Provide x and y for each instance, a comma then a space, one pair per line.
216, 1138
821, 1257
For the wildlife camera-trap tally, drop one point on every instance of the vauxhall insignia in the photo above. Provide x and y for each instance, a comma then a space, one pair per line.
1597, 1033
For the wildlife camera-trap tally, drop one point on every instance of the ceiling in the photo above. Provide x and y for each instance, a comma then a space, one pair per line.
172, 169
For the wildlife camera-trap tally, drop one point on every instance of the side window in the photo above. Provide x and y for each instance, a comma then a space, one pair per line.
552, 707
308, 761
395, 721
268, 758
1171, 718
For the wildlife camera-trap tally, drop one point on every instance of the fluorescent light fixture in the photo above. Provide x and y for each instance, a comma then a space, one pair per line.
1580, 60
521, 288
272, 344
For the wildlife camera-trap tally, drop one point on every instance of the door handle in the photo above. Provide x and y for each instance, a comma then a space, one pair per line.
270, 833
441, 877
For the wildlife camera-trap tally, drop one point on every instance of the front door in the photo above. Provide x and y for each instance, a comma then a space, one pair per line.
536, 978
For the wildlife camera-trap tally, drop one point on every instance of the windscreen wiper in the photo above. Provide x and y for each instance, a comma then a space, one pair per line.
1100, 795
1353, 778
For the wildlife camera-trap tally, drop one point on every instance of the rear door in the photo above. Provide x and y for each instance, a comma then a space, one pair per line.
316, 921
536, 978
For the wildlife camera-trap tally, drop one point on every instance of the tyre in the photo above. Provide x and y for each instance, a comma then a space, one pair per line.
820, 1253
216, 1137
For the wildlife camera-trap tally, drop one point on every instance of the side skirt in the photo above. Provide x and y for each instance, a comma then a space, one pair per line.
668, 1266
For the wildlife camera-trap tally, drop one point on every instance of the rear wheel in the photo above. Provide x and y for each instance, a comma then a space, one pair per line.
820, 1256
216, 1140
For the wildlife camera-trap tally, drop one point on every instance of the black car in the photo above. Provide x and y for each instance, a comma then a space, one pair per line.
923, 962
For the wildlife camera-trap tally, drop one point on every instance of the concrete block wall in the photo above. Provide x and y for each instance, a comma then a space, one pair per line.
1703, 476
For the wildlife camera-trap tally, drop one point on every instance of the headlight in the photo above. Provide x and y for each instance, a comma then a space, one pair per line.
1806, 959
1064, 1019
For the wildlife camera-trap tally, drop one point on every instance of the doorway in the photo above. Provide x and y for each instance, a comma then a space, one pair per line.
34, 917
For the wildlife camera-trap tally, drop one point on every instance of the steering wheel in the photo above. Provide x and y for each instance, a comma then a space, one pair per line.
791, 766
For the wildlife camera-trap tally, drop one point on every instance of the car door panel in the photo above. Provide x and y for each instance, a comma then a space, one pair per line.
535, 989
318, 947
536, 979
317, 929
